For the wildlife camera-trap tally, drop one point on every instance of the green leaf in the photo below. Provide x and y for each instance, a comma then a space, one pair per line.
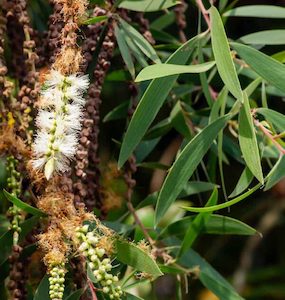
196, 187
253, 86
148, 5
163, 21
216, 224
27, 226
197, 225
170, 269
24, 206
179, 120
215, 110
276, 174
185, 165
226, 204
274, 117
125, 52
163, 70
248, 141
209, 277
6, 243
243, 182
140, 41
42, 291
136, 51
147, 108
223, 56
257, 11
75, 295
135, 257
268, 68
266, 37
6, 240
132, 297
95, 20
90, 275
119, 112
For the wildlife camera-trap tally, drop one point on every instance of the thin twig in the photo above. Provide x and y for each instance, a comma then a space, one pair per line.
92, 290
204, 12
270, 136
133, 211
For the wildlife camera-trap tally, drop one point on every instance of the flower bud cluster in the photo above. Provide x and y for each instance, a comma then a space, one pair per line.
14, 186
13, 180
98, 262
59, 122
56, 282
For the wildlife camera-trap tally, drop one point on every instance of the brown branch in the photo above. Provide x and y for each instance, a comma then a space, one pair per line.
130, 183
92, 290
204, 12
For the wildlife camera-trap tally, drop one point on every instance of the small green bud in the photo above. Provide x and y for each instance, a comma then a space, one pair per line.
84, 246
84, 228
100, 252
94, 258
109, 282
91, 252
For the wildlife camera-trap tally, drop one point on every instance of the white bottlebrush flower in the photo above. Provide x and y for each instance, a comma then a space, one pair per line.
52, 97
59, 122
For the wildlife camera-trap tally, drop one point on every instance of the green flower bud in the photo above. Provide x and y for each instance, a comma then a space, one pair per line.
106, 290
94, 258
100, 252
84, 246
84, 228
91, 252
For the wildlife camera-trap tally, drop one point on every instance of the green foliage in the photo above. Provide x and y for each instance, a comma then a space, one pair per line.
137, 258
192, 124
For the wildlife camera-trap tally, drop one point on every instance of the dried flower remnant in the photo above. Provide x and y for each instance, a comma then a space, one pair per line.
58, 122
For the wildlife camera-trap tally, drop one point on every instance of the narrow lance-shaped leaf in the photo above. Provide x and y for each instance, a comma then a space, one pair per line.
222, 55
276, 118
268, 68
216, 224
265, 37
276, 174
147, 5
42, 291
197, 225
125, 52
75, 295
185, 165
95, 20
147, 108
119, 112
140, 41
243, 182
162, 70
135, 257
24, 206
257, 11
248, 141
209, 277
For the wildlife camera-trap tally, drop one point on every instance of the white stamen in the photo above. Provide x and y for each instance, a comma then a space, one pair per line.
59, 122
